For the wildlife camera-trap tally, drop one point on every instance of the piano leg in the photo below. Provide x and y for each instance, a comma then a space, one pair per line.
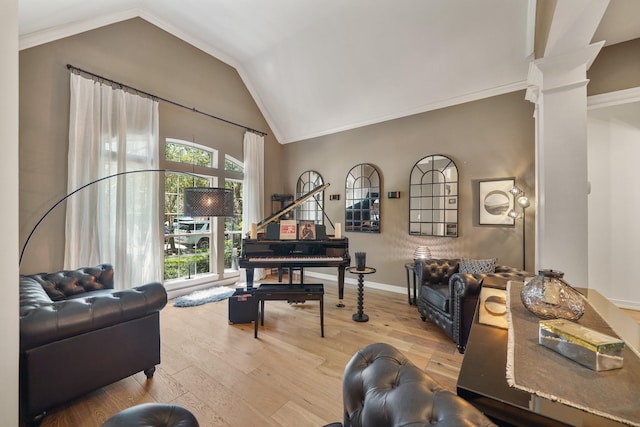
249, 273
340, 285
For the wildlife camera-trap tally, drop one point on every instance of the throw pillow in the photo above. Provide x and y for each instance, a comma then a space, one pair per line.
478, 266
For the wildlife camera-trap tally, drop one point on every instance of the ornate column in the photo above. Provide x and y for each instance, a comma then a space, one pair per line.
558, 87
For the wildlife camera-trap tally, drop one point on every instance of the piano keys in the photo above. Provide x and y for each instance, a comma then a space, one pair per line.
328, 252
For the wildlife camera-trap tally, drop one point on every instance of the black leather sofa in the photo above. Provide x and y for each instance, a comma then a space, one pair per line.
382, 388
448, 298
77, 334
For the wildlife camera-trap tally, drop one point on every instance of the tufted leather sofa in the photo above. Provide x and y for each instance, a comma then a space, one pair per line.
382, 388
448, 298
78, 334
153, 415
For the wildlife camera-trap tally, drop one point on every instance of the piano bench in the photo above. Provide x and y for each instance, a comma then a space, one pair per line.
291, 293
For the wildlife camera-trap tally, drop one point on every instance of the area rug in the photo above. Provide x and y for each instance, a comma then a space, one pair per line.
204, 296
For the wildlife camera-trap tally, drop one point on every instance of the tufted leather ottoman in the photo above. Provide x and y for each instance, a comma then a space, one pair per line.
153, 415
382, 388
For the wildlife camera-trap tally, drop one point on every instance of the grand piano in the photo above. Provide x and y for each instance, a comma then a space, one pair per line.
267, 250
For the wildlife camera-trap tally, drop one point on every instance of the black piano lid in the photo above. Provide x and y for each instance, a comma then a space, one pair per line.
292, 206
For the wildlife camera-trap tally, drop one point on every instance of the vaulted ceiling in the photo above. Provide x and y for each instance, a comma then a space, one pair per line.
317, 67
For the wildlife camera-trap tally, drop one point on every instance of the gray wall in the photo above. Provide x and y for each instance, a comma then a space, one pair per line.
487, 139
613, 150
617, 67
140, 55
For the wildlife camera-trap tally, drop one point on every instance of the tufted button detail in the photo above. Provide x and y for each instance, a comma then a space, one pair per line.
391, 391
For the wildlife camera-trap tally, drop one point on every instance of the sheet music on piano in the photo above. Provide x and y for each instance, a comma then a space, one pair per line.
267, 250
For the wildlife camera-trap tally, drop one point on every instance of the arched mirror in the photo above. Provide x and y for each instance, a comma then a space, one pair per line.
362, 194
433, 200
312, 208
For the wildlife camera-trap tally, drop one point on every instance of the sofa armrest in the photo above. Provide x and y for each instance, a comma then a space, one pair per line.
43, 321
464, 289
502, 275
465, 284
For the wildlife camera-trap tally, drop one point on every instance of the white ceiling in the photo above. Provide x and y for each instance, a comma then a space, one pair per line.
317, 67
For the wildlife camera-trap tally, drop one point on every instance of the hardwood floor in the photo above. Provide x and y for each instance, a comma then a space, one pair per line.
289, 376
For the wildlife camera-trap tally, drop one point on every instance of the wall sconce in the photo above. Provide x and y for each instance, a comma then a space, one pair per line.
523, 202
334, 197
393, 195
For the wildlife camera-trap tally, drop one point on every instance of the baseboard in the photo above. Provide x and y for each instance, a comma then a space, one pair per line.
629, 305
193, 285
177, 289
354, 281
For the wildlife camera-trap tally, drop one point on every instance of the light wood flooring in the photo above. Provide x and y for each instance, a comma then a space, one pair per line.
289, 376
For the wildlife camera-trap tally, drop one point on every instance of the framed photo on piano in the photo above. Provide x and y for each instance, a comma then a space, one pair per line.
307, 230
288, 229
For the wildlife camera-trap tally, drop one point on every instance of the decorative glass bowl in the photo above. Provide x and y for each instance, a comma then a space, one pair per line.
548, 296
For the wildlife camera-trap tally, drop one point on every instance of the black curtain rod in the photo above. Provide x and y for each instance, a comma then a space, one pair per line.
80, 70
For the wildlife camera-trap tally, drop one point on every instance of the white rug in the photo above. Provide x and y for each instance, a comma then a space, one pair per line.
204, 296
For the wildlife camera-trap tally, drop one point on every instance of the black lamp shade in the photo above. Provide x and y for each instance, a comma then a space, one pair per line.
206, 201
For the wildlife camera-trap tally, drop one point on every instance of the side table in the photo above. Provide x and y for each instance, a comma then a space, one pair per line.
410, 267
360, 316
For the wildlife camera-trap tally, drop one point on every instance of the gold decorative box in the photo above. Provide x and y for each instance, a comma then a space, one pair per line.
590, 348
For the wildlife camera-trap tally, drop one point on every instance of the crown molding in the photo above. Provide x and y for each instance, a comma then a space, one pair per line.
449, 102
37, 38
609, 99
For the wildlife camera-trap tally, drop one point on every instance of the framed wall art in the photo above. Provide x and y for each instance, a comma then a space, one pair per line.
495, 201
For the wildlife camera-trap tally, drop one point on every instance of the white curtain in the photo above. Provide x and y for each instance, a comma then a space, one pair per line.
115, 221
253, 185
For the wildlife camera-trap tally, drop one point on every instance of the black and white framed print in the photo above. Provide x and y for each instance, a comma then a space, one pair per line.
495, 202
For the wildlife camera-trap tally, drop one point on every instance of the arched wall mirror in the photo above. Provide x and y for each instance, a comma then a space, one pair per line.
362, 198
433, 200
312, 208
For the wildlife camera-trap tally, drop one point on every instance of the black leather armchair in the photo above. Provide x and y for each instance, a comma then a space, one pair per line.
382, 388
78, 334
448, 298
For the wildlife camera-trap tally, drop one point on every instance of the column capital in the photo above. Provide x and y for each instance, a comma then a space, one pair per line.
558, 72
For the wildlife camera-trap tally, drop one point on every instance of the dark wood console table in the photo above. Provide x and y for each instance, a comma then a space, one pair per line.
482, 379
295, 293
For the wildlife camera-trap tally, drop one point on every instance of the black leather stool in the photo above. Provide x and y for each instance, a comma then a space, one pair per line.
153, 414
382, 388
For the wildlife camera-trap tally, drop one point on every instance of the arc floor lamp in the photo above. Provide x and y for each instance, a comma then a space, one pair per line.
198, 201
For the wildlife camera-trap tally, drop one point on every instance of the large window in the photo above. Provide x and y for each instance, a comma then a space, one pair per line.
233, 225
191, 245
